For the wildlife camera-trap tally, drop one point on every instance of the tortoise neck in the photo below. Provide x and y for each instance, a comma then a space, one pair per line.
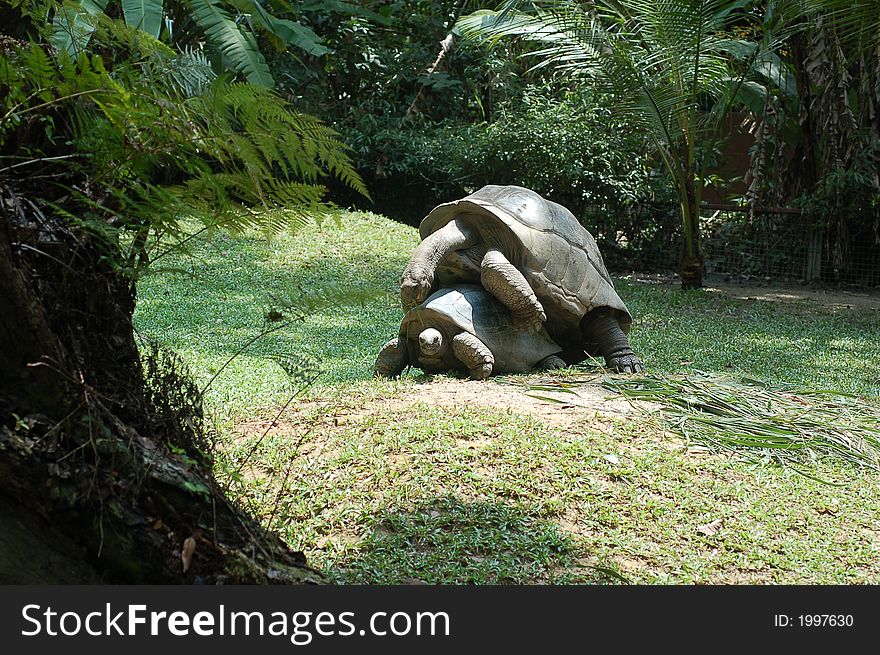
453, 236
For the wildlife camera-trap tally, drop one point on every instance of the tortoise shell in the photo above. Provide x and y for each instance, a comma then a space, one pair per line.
470, 308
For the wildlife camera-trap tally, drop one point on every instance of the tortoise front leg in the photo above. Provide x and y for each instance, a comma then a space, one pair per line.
474, 354
392, 359
504, 281
418, 276
604, 330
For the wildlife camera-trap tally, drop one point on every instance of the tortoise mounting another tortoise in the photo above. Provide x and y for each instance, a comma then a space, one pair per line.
535, 258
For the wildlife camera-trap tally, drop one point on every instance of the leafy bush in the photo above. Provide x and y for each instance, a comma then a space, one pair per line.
845, 204
572, 151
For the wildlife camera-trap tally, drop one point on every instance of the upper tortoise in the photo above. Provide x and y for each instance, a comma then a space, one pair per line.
536, 258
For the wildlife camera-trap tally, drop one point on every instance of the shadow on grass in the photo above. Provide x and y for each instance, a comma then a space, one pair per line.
451, 541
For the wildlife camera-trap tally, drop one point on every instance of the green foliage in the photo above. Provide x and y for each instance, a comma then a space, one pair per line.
238, 46
73, 24
282, 32
381, 52
848, 195
157, 138
673, 69
230, 27
145, 15
576, 151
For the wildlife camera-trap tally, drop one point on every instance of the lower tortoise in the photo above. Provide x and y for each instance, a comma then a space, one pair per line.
465, 329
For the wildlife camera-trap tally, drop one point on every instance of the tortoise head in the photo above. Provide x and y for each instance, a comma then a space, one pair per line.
415, 286
431, 342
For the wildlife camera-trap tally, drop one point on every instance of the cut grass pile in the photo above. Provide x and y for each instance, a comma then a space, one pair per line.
788, 424
376, 486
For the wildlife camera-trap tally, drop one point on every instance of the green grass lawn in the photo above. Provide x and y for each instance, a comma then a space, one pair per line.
376, 484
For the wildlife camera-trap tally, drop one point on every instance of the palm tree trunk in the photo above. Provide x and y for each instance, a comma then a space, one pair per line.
692, 265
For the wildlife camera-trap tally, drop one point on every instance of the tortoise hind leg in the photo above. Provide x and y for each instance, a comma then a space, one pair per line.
474, 354
551, 363
601, 328
504, 281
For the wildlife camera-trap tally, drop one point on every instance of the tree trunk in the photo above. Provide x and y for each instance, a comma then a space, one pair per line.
25, 340
93, 485
692, 266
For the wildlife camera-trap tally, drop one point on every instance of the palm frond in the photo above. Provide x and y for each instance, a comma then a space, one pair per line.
145, 15
857, 22
658, 59
282, 31
237, 45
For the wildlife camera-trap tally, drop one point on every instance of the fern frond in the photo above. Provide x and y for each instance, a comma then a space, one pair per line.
159, 139
185, 74
36, 63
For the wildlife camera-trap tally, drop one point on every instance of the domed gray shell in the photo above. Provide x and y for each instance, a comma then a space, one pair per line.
556, 254
470, 308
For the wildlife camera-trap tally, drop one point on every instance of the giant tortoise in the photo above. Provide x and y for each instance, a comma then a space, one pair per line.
536, 258
465, 329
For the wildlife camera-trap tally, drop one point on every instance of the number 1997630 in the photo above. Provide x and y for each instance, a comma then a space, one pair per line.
825, 620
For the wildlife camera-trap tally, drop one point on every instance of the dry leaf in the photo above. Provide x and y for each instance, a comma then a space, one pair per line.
710, 528
614, 459
186, 553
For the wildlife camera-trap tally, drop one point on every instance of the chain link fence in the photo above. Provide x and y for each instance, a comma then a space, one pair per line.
774, 246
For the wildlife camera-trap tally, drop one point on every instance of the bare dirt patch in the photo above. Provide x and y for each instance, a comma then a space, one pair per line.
829, 299
585, 402
588, 400
757, 289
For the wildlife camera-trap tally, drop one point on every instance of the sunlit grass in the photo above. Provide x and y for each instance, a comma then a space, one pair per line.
375, 488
